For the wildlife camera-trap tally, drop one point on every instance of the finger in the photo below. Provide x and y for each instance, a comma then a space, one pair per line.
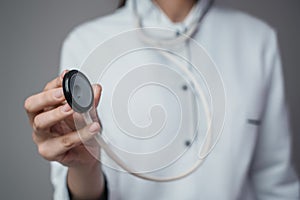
38, 102
78, 118
45, 120
76, 121
97, 93
55, 83
53, 148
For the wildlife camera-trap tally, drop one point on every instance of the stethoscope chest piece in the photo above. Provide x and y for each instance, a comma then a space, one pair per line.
78, 91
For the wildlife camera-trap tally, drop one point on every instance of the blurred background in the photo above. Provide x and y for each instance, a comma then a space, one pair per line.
32, 32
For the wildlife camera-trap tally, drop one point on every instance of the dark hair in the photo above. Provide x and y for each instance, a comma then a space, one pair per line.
122, 3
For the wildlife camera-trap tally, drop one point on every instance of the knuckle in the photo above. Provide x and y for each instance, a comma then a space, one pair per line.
51, 116
55, 115
41, 150
49, 96
58, 113
27, 104
67, 142
34, 137
37, 125
44, 152
47, 86
58, 81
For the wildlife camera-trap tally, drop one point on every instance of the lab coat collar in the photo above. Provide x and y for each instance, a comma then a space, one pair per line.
153, 16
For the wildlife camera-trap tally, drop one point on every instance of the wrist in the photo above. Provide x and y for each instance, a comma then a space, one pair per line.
86, 181
86, 167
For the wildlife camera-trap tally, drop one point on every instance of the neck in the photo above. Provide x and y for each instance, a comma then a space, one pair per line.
176, 10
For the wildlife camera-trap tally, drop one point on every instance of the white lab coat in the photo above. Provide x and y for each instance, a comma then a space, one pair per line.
250, 161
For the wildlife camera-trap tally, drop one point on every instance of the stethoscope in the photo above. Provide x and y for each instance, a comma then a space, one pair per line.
79, 95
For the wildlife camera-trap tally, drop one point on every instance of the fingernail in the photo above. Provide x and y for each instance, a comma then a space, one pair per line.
94, 128
66, 108
58, 93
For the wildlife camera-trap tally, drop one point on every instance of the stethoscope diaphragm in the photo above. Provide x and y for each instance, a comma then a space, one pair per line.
78, 91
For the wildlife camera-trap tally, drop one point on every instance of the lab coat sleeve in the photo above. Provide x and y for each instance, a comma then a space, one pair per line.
272, 174
59, 181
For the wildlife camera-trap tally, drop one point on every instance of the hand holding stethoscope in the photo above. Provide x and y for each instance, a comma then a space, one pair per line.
54, 131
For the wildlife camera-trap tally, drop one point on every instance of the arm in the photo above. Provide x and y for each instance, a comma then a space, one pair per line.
272, 175
58, 140
86, 182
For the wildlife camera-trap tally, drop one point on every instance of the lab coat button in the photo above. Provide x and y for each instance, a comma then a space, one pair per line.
184, 87
187, 143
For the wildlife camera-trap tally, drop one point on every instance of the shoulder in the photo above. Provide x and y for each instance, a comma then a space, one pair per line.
239, 19
99, 29
85, 37
241, 33
239, 24
104, 23
240, 41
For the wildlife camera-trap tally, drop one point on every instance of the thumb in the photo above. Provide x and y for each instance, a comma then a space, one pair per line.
97, 93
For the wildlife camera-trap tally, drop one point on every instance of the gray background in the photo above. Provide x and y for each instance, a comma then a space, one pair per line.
31, 35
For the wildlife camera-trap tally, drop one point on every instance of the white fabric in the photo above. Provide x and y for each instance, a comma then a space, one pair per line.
249, 162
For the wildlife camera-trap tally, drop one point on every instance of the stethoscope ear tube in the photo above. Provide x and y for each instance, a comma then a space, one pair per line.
190, 31
79, 95
70, 85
